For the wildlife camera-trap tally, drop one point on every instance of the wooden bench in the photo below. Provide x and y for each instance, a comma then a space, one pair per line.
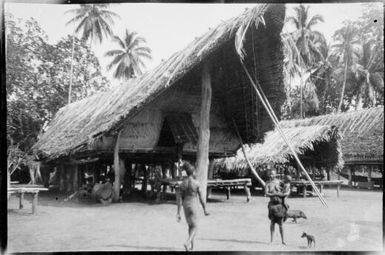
217, 183
20, 190
365, 185
304, 184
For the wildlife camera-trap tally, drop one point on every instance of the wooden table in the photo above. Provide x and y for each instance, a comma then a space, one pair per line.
217, 183
304, 184
21, 189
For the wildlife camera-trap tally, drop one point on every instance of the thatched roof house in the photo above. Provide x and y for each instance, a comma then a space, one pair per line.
161, 109
362, 132
315, 144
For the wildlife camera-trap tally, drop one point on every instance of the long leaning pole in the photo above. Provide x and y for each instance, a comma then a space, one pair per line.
247, 159
270, 111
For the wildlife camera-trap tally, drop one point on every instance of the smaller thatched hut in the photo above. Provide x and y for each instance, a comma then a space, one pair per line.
362, 144
317, 146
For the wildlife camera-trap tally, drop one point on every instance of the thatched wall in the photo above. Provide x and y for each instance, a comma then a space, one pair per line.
141, 133
362, 132
80, 126
323, 140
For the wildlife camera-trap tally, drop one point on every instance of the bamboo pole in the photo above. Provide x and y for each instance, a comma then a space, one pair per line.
270, 111
247, 159
204, 129
116, 185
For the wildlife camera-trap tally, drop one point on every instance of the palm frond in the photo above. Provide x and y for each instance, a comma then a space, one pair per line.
113, 53
314, 20
294, 20
117, 59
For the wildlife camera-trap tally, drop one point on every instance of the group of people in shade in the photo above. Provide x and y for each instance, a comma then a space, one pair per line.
189, 190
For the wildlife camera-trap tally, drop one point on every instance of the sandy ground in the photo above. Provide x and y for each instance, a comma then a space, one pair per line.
351, 222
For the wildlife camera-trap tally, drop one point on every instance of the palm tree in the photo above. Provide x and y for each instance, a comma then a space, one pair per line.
346, 52
308, 44
307, 41
127, 59
368, 72
93, 23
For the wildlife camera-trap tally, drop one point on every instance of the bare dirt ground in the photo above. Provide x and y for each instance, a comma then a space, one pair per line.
351, 222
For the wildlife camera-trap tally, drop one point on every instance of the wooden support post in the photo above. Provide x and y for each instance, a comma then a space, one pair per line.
127, 178
338, 189
350, 176
304, 190
8, 183
133, 176
164, 170
228, 191
34, 202
145, 174
370, 173
210, 176
204, 129
75, 180
248, 194
32, 171
45, 175
61, 177
21, 198
116, 184
68, 182
96, 171
122, 171
173, 170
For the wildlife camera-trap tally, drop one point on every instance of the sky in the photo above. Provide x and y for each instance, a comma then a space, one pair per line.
168, 28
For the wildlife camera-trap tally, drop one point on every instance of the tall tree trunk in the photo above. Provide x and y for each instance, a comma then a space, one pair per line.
301, 99
72, 69
204, 129
8, 182
116, 185
343, 86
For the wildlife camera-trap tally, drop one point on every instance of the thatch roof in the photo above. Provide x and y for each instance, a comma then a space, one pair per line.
362, 132
274, 150
79, 124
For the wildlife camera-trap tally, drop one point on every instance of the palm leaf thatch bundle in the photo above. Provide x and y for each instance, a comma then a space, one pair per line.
78, 125
362, 132
275, 151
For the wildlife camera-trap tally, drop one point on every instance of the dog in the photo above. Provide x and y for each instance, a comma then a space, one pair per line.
295, 214
310, 239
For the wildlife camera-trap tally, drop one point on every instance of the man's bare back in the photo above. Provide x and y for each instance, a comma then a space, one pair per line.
187, 194
189, 190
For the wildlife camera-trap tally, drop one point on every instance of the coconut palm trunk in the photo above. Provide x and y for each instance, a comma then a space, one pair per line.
343, 86
72, 69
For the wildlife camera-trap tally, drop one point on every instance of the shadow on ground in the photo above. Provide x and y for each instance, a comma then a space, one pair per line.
233, 240
143, 248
